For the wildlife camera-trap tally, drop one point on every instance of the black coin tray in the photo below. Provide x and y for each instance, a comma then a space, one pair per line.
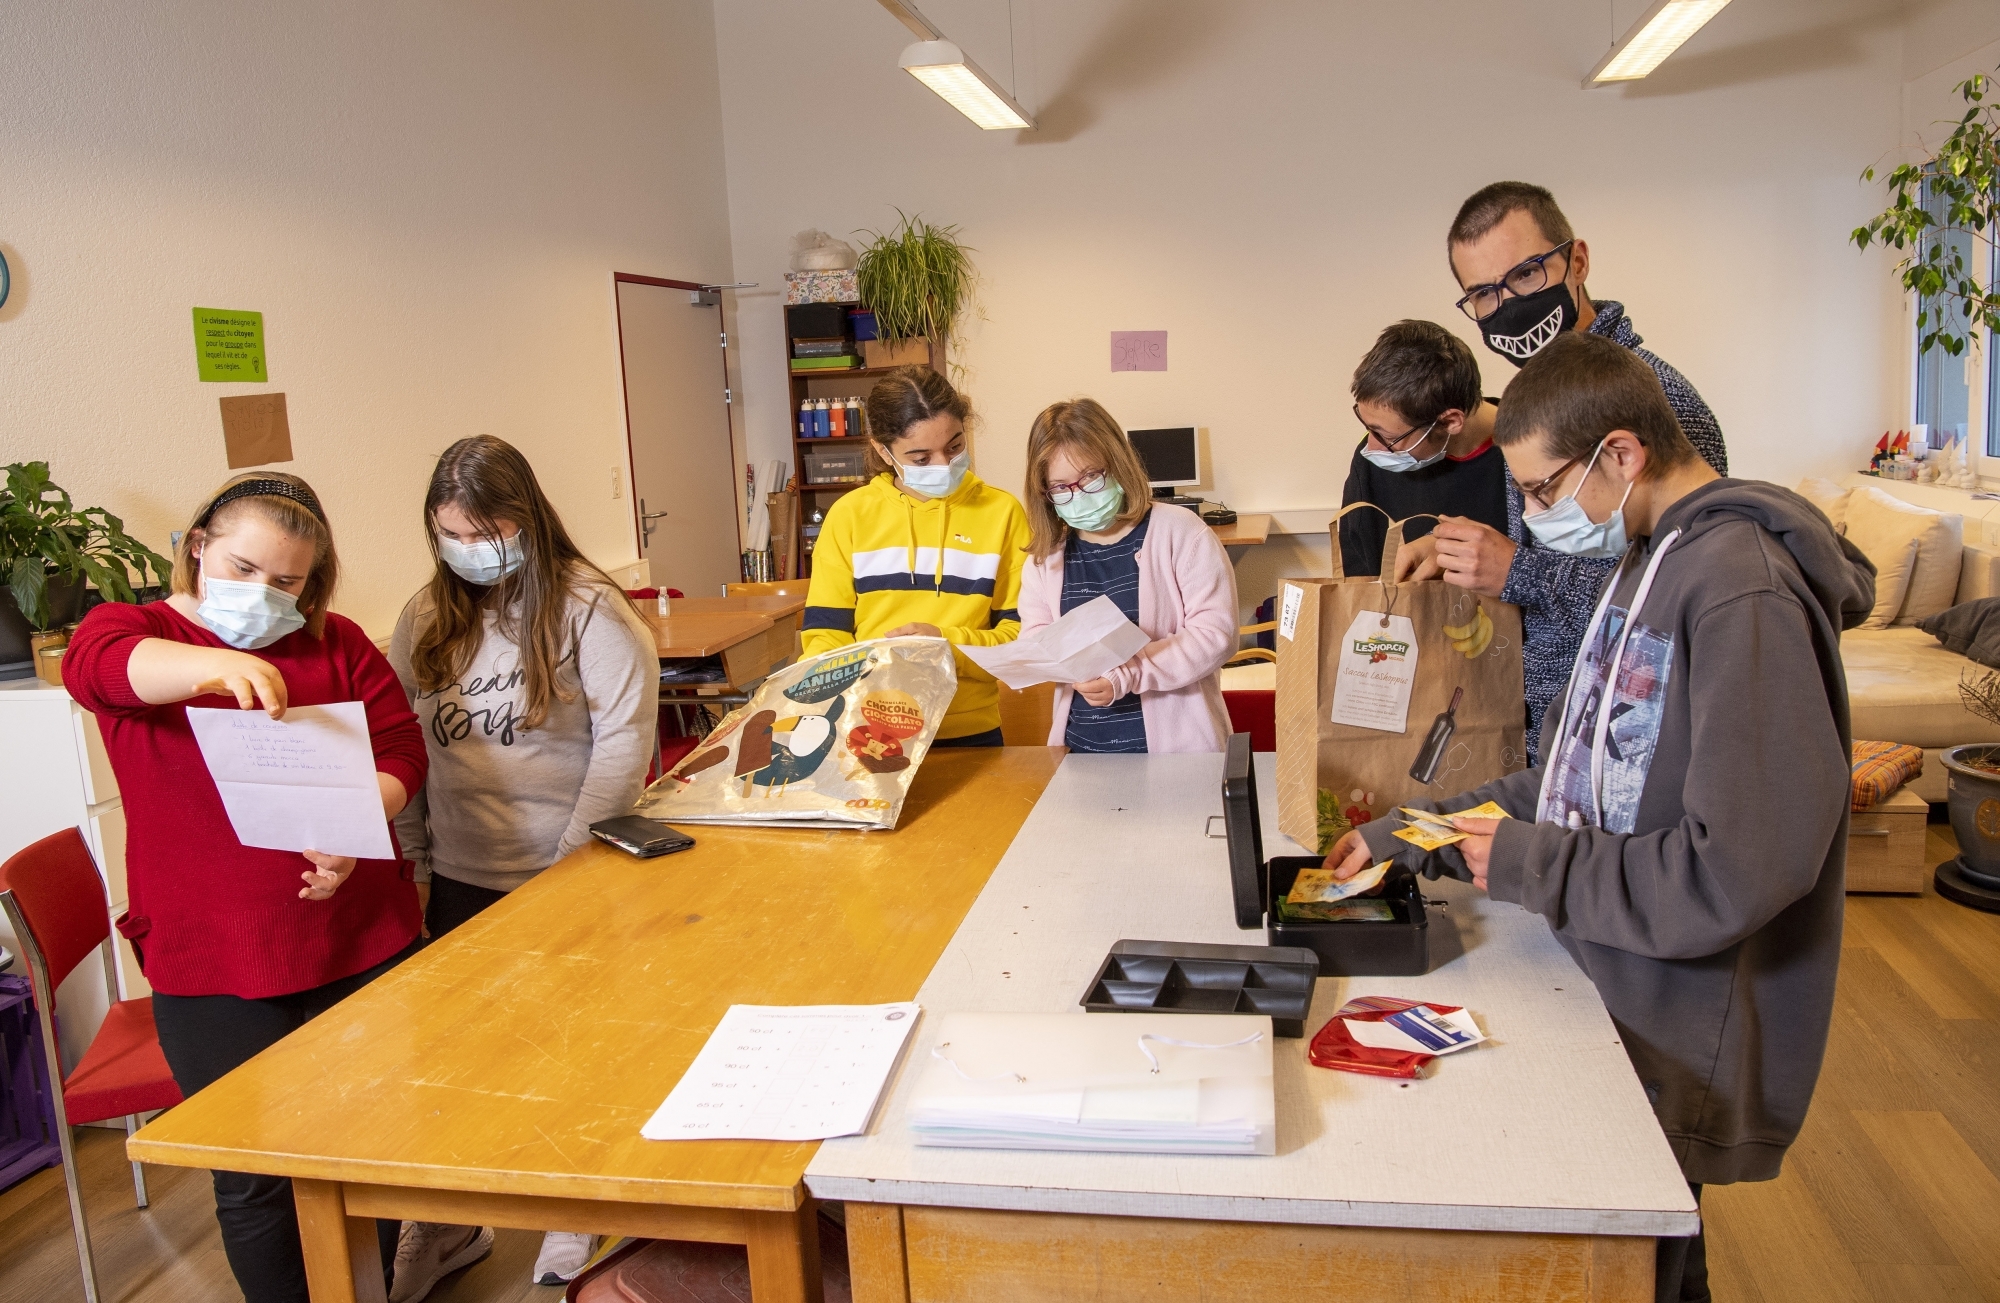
1189, 977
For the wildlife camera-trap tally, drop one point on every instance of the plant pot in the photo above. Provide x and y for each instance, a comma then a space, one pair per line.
1975, 811
17, 656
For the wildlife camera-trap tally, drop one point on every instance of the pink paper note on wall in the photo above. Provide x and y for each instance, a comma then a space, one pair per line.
1138, 350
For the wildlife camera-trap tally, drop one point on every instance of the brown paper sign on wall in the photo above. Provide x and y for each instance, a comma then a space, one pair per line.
255, 431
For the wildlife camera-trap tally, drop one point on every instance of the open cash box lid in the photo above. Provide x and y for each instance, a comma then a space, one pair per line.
1240, 822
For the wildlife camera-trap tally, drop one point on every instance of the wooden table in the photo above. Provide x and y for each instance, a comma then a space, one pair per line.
1531, 1168
1244, 531
750, 643
787, 614
501, 1076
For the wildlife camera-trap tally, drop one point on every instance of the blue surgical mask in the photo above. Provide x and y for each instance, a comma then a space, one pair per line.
1567, 528
483, 562
247, 615
1404, 461
1091, 512
936, 481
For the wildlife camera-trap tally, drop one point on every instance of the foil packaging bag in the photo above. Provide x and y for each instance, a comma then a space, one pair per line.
831, 742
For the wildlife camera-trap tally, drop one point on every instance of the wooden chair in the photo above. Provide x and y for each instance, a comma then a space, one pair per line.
1244, 655
768, 588
54, 900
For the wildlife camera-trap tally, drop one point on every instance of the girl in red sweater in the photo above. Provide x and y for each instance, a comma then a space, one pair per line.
242, 945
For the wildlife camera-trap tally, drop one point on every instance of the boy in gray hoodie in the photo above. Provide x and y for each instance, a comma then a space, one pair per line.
1688, 844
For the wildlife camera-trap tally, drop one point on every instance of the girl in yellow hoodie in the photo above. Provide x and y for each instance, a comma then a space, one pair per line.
925, 548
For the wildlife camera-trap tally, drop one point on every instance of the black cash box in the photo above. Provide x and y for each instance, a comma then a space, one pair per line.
1392, 948
1189, 977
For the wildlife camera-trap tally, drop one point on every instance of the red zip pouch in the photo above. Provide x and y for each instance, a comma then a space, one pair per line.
1332, 1047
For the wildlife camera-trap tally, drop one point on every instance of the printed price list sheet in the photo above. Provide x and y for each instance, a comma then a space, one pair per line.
786, 1072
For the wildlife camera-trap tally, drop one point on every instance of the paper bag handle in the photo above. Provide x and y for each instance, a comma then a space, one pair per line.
1392, 543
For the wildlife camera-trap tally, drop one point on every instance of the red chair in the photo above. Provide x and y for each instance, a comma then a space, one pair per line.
54, 901
1254, 712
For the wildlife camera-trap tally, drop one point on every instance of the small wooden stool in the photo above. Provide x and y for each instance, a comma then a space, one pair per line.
1885, 845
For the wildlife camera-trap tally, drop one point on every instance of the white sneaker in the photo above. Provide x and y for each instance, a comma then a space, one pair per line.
564, 1255
427, 1252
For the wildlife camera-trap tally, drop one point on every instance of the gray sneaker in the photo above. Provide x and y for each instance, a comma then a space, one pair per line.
427, 1252
563, 1257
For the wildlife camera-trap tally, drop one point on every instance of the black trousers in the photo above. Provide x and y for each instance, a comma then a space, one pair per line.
1680, 1270
205, 1037
452, 902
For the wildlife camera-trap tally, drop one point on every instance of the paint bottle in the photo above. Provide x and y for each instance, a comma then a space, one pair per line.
857, 422
806, 419
837, 420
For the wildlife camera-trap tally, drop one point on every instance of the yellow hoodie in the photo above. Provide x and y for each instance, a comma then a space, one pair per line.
885, 559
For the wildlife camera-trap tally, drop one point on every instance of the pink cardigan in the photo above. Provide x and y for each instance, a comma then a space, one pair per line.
1187, 606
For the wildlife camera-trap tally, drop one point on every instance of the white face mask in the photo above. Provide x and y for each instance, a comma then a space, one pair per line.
1403, 461
247, 615
483, 562
936, 481
1567, 527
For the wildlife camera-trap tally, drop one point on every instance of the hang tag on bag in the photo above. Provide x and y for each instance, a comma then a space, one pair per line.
1288, 615
1377, 671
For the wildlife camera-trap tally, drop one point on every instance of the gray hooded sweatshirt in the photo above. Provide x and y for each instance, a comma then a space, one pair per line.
1689, 848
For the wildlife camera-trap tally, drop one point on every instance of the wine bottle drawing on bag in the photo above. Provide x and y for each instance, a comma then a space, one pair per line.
1442, 728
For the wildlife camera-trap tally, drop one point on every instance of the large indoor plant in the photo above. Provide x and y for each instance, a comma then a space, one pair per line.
51, 550
1953, 193
917, 279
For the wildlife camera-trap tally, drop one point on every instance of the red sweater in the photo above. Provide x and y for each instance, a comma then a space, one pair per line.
207, 914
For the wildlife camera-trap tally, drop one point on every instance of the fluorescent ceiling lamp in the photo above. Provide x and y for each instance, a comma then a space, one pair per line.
965, 86
1657, 34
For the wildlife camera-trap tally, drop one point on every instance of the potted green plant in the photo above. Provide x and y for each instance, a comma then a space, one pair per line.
1943, 206
51, 551
918, 280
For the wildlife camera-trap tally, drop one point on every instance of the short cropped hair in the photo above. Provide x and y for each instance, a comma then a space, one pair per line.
1419, 369
1581, 388
1489, 207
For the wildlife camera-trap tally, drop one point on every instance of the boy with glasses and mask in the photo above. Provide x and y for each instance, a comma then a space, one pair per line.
1427, 447
1685, 835
1522, 270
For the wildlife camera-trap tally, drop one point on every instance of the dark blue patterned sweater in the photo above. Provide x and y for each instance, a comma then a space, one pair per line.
1557, 593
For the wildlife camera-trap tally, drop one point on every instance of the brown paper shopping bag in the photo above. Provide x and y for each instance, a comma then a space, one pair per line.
1367, 675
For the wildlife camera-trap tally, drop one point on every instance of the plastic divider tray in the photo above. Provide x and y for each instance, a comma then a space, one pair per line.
1190, 977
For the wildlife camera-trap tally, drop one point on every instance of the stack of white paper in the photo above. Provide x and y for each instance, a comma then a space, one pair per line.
1133, 1083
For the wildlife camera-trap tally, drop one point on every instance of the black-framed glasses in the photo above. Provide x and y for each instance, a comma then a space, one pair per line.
1396, 444
1091, 483
1528, 276
1538, 491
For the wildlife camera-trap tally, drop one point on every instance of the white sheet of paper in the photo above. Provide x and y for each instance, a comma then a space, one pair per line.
304, 782
1378, 669
786, 1072
1086, 644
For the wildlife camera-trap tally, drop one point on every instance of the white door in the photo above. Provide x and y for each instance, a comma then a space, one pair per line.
677, 420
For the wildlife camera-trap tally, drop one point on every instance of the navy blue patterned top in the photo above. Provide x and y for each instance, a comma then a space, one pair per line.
1092, 570
1557, 593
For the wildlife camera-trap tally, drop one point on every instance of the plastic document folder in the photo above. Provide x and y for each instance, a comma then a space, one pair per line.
1136, 1083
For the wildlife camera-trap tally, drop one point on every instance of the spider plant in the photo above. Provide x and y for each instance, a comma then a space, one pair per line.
44, 537
917, 278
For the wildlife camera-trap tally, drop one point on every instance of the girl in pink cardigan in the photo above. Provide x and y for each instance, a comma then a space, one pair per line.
1095, 531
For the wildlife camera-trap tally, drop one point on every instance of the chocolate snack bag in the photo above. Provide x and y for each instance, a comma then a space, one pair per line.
831, 742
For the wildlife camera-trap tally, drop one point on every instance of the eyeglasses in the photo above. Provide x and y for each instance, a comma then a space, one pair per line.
1091, 483
1401, 441
1539, 490
1526, 277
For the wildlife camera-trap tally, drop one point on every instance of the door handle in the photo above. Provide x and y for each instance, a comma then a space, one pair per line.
646, 519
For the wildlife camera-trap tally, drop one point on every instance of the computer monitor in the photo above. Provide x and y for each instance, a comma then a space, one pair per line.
1172, 455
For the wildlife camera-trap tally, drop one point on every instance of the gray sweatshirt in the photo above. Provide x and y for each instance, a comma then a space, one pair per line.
504, 802
1691, 855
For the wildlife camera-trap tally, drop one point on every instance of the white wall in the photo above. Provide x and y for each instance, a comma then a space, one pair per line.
426, 201
1271, 184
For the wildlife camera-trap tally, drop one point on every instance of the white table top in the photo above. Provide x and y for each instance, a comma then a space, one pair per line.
1544, 1128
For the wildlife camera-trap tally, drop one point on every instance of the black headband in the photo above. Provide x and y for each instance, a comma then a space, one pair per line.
262, 489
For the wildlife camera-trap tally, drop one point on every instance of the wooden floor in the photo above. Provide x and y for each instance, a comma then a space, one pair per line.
1891, 1194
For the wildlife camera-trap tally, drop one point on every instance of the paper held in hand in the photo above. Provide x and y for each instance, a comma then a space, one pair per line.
304, 782
1086, 644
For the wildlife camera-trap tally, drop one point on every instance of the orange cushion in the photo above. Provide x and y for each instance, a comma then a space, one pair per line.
1882, 767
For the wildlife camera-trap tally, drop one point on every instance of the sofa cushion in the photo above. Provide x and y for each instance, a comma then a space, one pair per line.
1828, 497
1972, 629
1880, 524
1894, 564
1903, 687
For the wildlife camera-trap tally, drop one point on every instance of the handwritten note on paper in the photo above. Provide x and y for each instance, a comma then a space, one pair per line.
1086, 644
304, 782
1138, 350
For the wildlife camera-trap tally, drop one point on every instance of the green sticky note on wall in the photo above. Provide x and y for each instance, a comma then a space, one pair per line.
229, 345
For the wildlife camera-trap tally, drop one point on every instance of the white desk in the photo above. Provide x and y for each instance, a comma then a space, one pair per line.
1543, 1136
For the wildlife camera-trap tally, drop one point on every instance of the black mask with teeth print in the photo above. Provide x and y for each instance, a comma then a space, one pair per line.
1524, 327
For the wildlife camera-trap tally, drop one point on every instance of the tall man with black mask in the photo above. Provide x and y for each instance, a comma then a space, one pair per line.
1521, 271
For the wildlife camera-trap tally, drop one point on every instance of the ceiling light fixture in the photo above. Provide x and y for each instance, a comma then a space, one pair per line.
958, 81
1660, 31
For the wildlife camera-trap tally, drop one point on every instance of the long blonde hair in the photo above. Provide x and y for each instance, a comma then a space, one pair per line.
1083, 426
285, 501
489, 480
